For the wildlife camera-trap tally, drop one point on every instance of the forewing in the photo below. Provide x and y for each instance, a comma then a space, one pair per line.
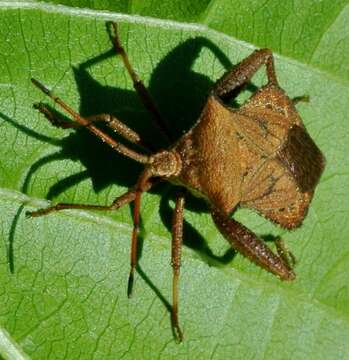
302, 158
273, 192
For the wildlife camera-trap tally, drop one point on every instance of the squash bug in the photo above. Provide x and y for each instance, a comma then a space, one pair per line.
257, 156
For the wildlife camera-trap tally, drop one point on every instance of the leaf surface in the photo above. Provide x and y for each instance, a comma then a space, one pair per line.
67, 295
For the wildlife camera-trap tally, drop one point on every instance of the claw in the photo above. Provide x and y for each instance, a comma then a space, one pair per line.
176, 329
41, 86
298, 99
284, 253
37, 106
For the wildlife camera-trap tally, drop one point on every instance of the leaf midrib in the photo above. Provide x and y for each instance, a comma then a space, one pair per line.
164, 23
251, 279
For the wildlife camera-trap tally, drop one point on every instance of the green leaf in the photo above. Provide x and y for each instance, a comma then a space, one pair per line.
67, 296
312, 32
8, 347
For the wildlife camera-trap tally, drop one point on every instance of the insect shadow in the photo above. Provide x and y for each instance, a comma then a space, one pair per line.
178, 91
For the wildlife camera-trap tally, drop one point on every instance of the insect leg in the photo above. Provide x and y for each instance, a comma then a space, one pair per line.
120, 201
284, 253
54, 117
248, 244
164, 165
231, 82
122, 129
138, 84
117, 126
57, 120
122, 149
177, 237
141, 186
298, 99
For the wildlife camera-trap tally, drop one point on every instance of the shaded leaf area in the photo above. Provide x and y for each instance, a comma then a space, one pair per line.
311, 31
67, 297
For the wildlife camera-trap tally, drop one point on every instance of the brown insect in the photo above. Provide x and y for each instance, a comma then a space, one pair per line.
258, 156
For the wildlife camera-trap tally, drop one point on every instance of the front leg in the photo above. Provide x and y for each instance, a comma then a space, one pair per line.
248, 244
229, 85
138, 85
119, 202
59, 121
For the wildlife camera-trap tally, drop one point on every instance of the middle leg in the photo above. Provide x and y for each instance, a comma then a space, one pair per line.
177, 240
117, 146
